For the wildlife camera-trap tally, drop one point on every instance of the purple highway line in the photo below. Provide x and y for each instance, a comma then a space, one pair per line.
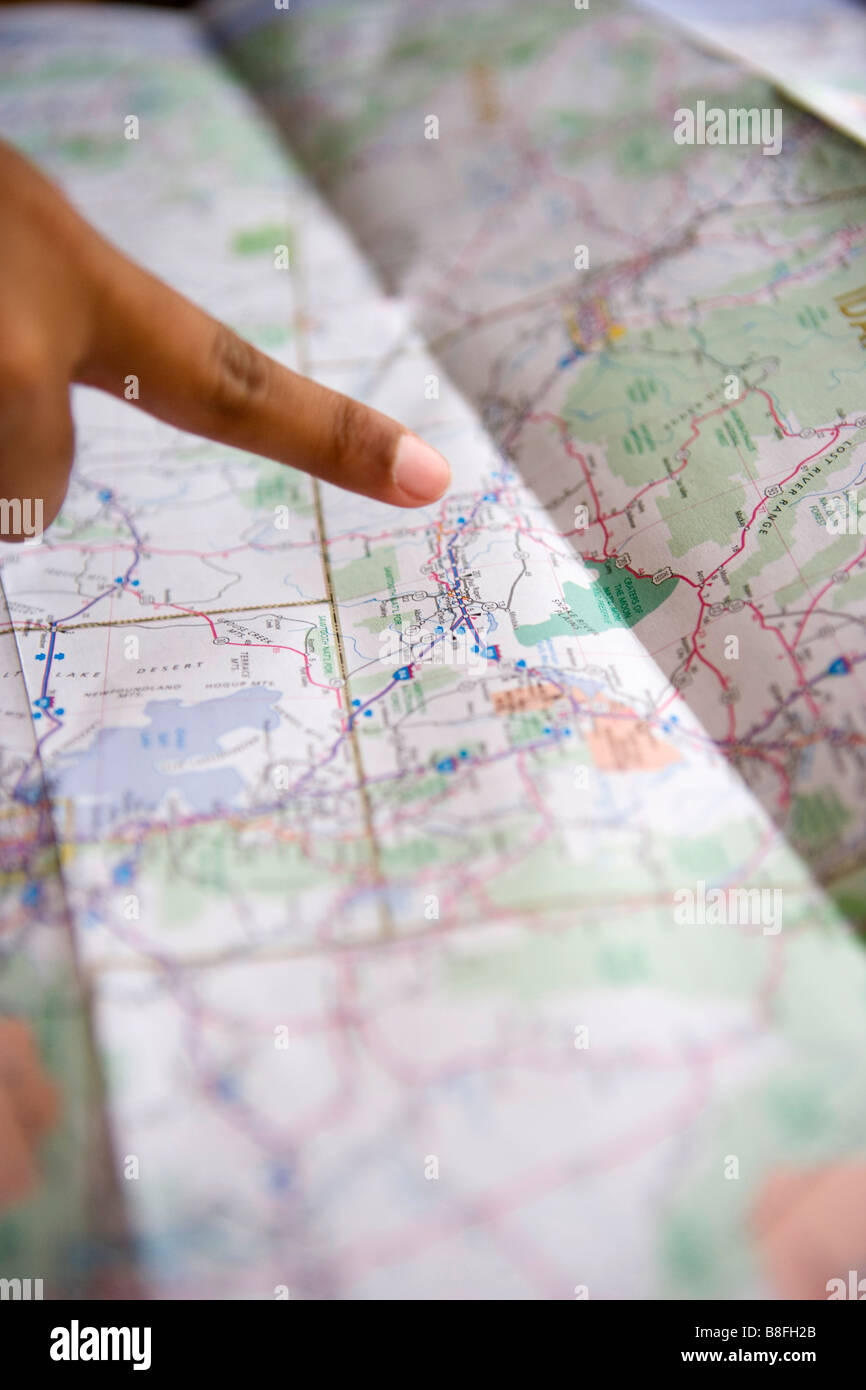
454, 566
57, 622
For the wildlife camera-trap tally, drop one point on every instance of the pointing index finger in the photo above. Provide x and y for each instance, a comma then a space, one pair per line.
195, 373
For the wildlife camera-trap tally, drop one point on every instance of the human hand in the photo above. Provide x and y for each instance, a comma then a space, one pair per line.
29, 1106
76, 310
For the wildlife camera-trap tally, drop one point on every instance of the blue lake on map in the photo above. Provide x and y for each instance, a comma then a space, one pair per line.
130, 770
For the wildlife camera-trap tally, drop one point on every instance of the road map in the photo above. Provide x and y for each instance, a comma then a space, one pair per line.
373, 880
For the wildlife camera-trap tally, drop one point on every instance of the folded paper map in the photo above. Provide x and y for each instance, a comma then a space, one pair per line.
462, 902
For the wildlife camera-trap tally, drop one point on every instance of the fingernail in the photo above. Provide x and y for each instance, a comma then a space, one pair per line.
419, 471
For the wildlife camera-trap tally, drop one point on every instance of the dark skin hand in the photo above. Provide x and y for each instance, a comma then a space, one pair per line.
29, 1107
76, 310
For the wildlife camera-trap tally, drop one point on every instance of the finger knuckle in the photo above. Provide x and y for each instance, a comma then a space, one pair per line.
239, 373
353, 433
